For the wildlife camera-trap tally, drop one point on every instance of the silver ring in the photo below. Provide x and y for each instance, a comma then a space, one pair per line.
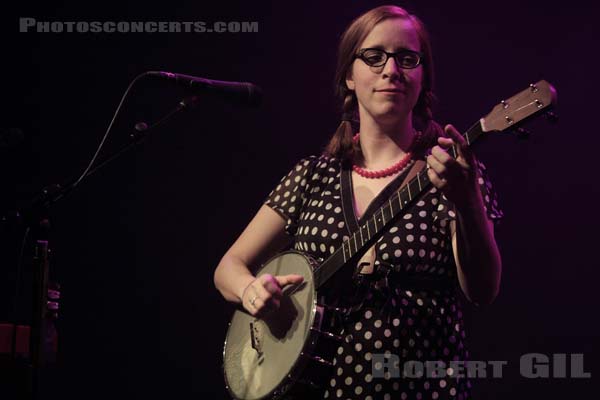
252, 300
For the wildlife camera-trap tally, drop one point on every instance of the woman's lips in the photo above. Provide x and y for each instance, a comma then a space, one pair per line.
390, 90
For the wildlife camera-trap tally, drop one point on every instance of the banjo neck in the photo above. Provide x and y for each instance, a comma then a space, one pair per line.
505, 116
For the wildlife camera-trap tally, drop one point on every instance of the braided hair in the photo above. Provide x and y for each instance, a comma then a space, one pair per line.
341, 144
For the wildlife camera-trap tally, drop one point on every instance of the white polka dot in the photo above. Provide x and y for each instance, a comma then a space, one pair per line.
385, 256
422, 253
423, 238
377, 323
410, 252
387, 333
339, 393
328, 206
394, 229
358, 326
368, 314
378, 344
323, 248
291, 209
313, 247
341, 225
422, 214
383, 246
396, 240
340, 350
409, 225
407, 216
314, 231
358, 390
340, 371
396, 322
421, 203
337, 210
378, 387
368, 335
332, 383
348, 359
368, 378
368, 356
410, 238
330, 220
348, 381
324, 233
398, 253
358, 347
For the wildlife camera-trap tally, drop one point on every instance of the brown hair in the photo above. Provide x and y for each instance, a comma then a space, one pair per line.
341, 144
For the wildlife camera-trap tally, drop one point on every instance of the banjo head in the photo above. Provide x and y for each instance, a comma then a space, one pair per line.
262, 357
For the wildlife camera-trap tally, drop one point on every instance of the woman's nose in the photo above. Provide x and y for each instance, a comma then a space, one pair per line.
391, 67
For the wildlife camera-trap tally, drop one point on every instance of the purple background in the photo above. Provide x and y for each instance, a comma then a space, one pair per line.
136, 246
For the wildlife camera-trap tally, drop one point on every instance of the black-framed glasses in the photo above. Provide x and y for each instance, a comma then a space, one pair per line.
407, 59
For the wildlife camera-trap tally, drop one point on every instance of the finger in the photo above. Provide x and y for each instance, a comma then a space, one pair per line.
445, 143
262, 293
463, 147
270, 284
435, 179
291, 279
440, 154
436, 165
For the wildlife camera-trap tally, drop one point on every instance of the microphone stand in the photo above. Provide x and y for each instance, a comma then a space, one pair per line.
36, 216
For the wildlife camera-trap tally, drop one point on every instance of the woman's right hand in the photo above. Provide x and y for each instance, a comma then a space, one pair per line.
263, 295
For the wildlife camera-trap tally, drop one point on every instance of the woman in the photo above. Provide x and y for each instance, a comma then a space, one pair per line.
411, 278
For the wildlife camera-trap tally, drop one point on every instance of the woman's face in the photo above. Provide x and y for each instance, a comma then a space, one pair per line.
387, 93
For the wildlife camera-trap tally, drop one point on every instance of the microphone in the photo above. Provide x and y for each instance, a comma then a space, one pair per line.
239, 92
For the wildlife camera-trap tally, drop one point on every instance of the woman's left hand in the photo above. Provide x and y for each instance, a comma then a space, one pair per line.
456, 178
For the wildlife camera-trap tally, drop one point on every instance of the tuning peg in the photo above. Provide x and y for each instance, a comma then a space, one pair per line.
522, 133
551, 116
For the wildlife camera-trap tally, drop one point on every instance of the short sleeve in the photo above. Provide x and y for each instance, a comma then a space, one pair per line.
445, 209
290, 195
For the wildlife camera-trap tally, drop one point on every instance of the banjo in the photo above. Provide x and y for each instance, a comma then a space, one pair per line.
290, 354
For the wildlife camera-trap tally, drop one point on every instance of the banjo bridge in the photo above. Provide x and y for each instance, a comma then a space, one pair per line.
256, 338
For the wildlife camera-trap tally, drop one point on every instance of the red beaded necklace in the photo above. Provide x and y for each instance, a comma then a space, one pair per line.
382, 173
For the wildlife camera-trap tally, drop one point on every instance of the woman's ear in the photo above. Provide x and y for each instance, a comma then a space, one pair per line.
349, 80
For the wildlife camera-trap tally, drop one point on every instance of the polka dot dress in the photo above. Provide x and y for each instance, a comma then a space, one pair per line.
400, 343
